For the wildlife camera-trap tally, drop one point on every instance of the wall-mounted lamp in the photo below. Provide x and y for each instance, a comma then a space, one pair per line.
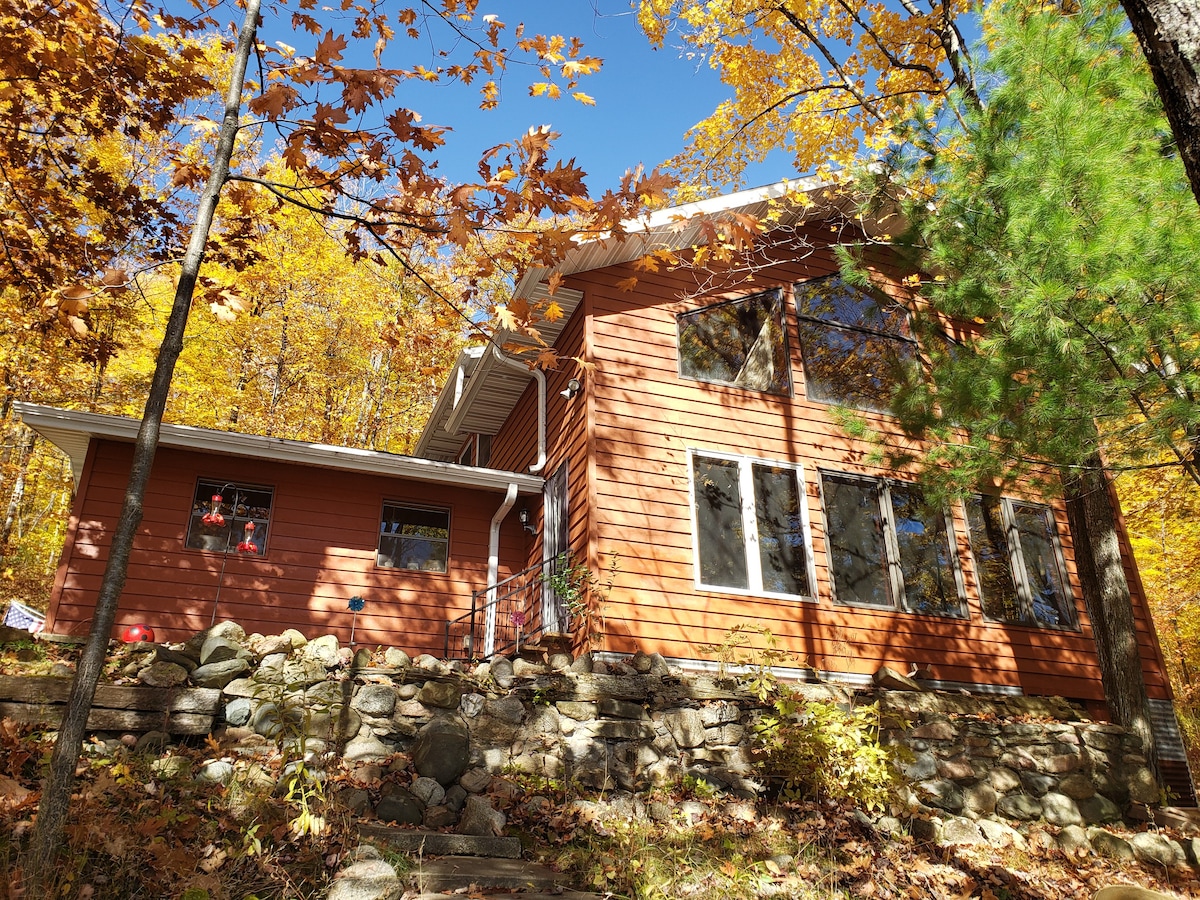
523, 515
573, 387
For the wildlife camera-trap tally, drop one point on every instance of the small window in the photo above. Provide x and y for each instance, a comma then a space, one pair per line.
412, 537
889, 548
751, 526
230, 518
854, 345
741, 343
1018, 562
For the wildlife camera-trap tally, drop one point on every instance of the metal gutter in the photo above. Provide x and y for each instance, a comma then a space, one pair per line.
71, 431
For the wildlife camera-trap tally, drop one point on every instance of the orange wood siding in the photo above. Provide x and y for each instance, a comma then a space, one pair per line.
644, 418
320, 552
514, 448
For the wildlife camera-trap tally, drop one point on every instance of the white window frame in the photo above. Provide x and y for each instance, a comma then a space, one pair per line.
1016, 566
891, 543
750, 525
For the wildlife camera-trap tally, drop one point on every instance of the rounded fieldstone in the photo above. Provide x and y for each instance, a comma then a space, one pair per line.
456, 798
922, 767
356, 800
168, 767
396, 658
641, 663
441, 751
472, 705
217, 649
1073, 841
1004, 779
1059, 809
215, 771
507, 709
375, 700
685, 726
237, 711
659, 666
1142, 786
559, 661
1001, 835
400, 806
957, 830
1107, 844
365, 746
942, 794
218, 674
1021, 807
428, 791
1098, 809
979, 799
1077, 787
480, 819
323, 650
440, 694
1150, 847
502, 672
1036, 783
583, 664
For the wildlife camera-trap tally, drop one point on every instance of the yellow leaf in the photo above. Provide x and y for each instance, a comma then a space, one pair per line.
583, 98
627, 284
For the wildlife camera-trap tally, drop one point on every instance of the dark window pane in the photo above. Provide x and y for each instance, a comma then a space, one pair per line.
854, 344
237, 522
923, 539
989, 546
720, 538
856, 543
740, 343
834, 301
852, 368
777, 500
414, 538
1048, 593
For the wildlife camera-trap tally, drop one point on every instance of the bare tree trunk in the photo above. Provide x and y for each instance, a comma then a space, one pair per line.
1169, 32
1110, 607
56, 793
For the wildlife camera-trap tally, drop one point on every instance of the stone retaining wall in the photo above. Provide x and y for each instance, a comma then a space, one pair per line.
437, 737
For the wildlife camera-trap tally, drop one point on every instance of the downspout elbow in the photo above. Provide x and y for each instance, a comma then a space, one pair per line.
540, 377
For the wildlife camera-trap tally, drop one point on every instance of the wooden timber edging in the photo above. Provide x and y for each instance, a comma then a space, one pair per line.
42, 700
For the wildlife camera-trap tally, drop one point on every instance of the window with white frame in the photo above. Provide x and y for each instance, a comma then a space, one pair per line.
1018, 562
414, 537
888, 547
750, 522
738, 342
854, 343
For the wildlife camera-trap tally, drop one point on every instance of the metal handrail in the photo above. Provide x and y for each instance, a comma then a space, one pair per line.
506, 615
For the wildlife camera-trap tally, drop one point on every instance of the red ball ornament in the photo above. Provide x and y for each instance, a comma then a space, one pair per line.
135, 634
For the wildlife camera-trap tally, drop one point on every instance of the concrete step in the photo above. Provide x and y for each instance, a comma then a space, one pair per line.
436, 843
452, 873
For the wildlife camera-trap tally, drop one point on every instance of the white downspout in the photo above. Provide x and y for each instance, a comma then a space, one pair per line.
489, 638
540, 376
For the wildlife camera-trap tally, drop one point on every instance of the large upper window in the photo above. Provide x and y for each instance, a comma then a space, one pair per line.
1018, 562
413, 537
751, 526
739, 342
888, 547
229, 518
854, 344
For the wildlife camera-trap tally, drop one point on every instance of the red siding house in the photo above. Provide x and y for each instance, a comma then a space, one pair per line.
699, 448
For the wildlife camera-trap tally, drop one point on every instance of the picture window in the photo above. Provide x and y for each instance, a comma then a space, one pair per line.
741, 343
855, 345
414, 538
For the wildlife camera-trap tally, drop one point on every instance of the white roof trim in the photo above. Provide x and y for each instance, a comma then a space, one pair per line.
72, 431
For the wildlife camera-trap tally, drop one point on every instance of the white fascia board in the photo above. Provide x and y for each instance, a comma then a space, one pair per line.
443, 407
51, 422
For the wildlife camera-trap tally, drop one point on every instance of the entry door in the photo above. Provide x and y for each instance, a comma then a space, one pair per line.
555, 539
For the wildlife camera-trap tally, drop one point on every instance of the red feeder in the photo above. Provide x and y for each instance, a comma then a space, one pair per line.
214, 518
135, 634
247, 545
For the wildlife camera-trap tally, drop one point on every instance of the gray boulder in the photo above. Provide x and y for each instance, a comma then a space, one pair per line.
441, 751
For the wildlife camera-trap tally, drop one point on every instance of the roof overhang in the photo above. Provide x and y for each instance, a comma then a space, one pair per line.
481, 392
72, 432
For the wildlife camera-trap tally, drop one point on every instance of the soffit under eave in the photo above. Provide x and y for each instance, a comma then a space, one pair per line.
493, 388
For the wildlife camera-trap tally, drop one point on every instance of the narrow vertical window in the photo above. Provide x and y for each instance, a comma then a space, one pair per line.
857, 552
926, 551
720, 531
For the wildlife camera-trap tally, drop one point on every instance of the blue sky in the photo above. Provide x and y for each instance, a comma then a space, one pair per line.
646, 99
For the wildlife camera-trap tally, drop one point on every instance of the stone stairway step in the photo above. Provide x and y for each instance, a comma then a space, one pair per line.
451, 873
436, 843
508, 895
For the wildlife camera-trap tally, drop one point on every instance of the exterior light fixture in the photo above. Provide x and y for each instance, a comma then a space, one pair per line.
523, 515
573, 388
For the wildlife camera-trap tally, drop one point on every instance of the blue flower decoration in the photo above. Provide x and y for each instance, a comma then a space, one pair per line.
357, 603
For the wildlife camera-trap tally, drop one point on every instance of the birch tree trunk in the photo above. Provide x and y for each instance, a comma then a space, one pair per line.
56, 793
